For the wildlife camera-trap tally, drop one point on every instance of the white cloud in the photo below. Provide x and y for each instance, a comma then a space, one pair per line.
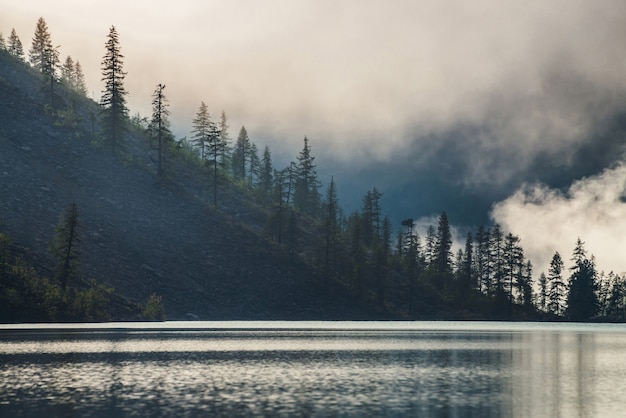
548, 220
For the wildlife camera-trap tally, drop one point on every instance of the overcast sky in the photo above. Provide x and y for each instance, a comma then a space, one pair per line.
364, 79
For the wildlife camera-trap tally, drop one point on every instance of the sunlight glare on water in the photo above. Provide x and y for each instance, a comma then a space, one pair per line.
313, 369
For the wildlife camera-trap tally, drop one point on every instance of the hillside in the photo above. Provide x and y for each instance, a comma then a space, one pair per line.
139, 235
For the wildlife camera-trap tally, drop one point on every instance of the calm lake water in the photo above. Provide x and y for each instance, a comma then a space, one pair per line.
440, 369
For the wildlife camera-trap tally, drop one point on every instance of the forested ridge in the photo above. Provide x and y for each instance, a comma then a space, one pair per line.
104, 215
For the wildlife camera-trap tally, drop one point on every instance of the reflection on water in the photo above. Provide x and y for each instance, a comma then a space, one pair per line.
313, 369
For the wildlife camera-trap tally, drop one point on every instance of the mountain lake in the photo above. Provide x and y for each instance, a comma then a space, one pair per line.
282, 368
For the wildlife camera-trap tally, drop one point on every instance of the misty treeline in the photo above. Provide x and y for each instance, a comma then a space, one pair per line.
394, 271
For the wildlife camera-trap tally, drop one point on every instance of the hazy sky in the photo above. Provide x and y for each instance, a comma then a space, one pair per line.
365, 80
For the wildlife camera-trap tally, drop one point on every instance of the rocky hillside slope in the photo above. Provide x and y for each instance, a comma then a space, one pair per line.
139, 235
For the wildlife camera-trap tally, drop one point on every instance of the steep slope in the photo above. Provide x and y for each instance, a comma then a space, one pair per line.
139, 235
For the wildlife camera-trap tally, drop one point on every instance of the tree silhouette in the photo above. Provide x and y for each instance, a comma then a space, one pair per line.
582, 301
65, 247
15, 46
159, 127
306, 194
113, 101
202, 129
556, 286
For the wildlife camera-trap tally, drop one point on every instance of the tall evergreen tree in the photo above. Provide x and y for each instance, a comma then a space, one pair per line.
525, 284
482, 260
443, 246
466, 281
41, 45
306, 193
331, 229
255, 164
203, 128
582, 301
430, 243
15, 46
79, 79
68, 73
225, 143
65, 247
241, 155
3, 44
159, 127
556, 286
215, 149
44, 56
543, 295
113, 101
265, 175
513, 264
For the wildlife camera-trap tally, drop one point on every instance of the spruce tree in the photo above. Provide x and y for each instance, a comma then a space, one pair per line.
306, 193
79, 79
255, 164
68, 73
331, 230
15, 46
3, 45
582, 300
443, 246
113, 101
202, 129
65, 247
543, 295
224, 143
159, 128
41, 45
215, 149
241, 155
265, 175
556, 286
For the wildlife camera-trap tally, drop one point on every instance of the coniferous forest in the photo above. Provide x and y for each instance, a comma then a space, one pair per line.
285, 223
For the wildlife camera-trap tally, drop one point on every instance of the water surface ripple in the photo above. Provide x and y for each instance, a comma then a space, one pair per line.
440, 369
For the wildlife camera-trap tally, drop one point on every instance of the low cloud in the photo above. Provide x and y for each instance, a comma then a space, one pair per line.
549, 220
365, 78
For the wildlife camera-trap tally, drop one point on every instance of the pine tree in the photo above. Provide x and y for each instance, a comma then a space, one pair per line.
113, 101
466, 266
582, 301
331, 229
159, 128
41, 45
241, 155
429, 245
225, 143
482, 258
265, 175
556, 286
525, 284
255, 164
306, 193
3, 45
15, 46
383, 255
215, 148
79, 79
68, 73
44, 56
202, 129
443, 246
543, 296
65, 247
513, 264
